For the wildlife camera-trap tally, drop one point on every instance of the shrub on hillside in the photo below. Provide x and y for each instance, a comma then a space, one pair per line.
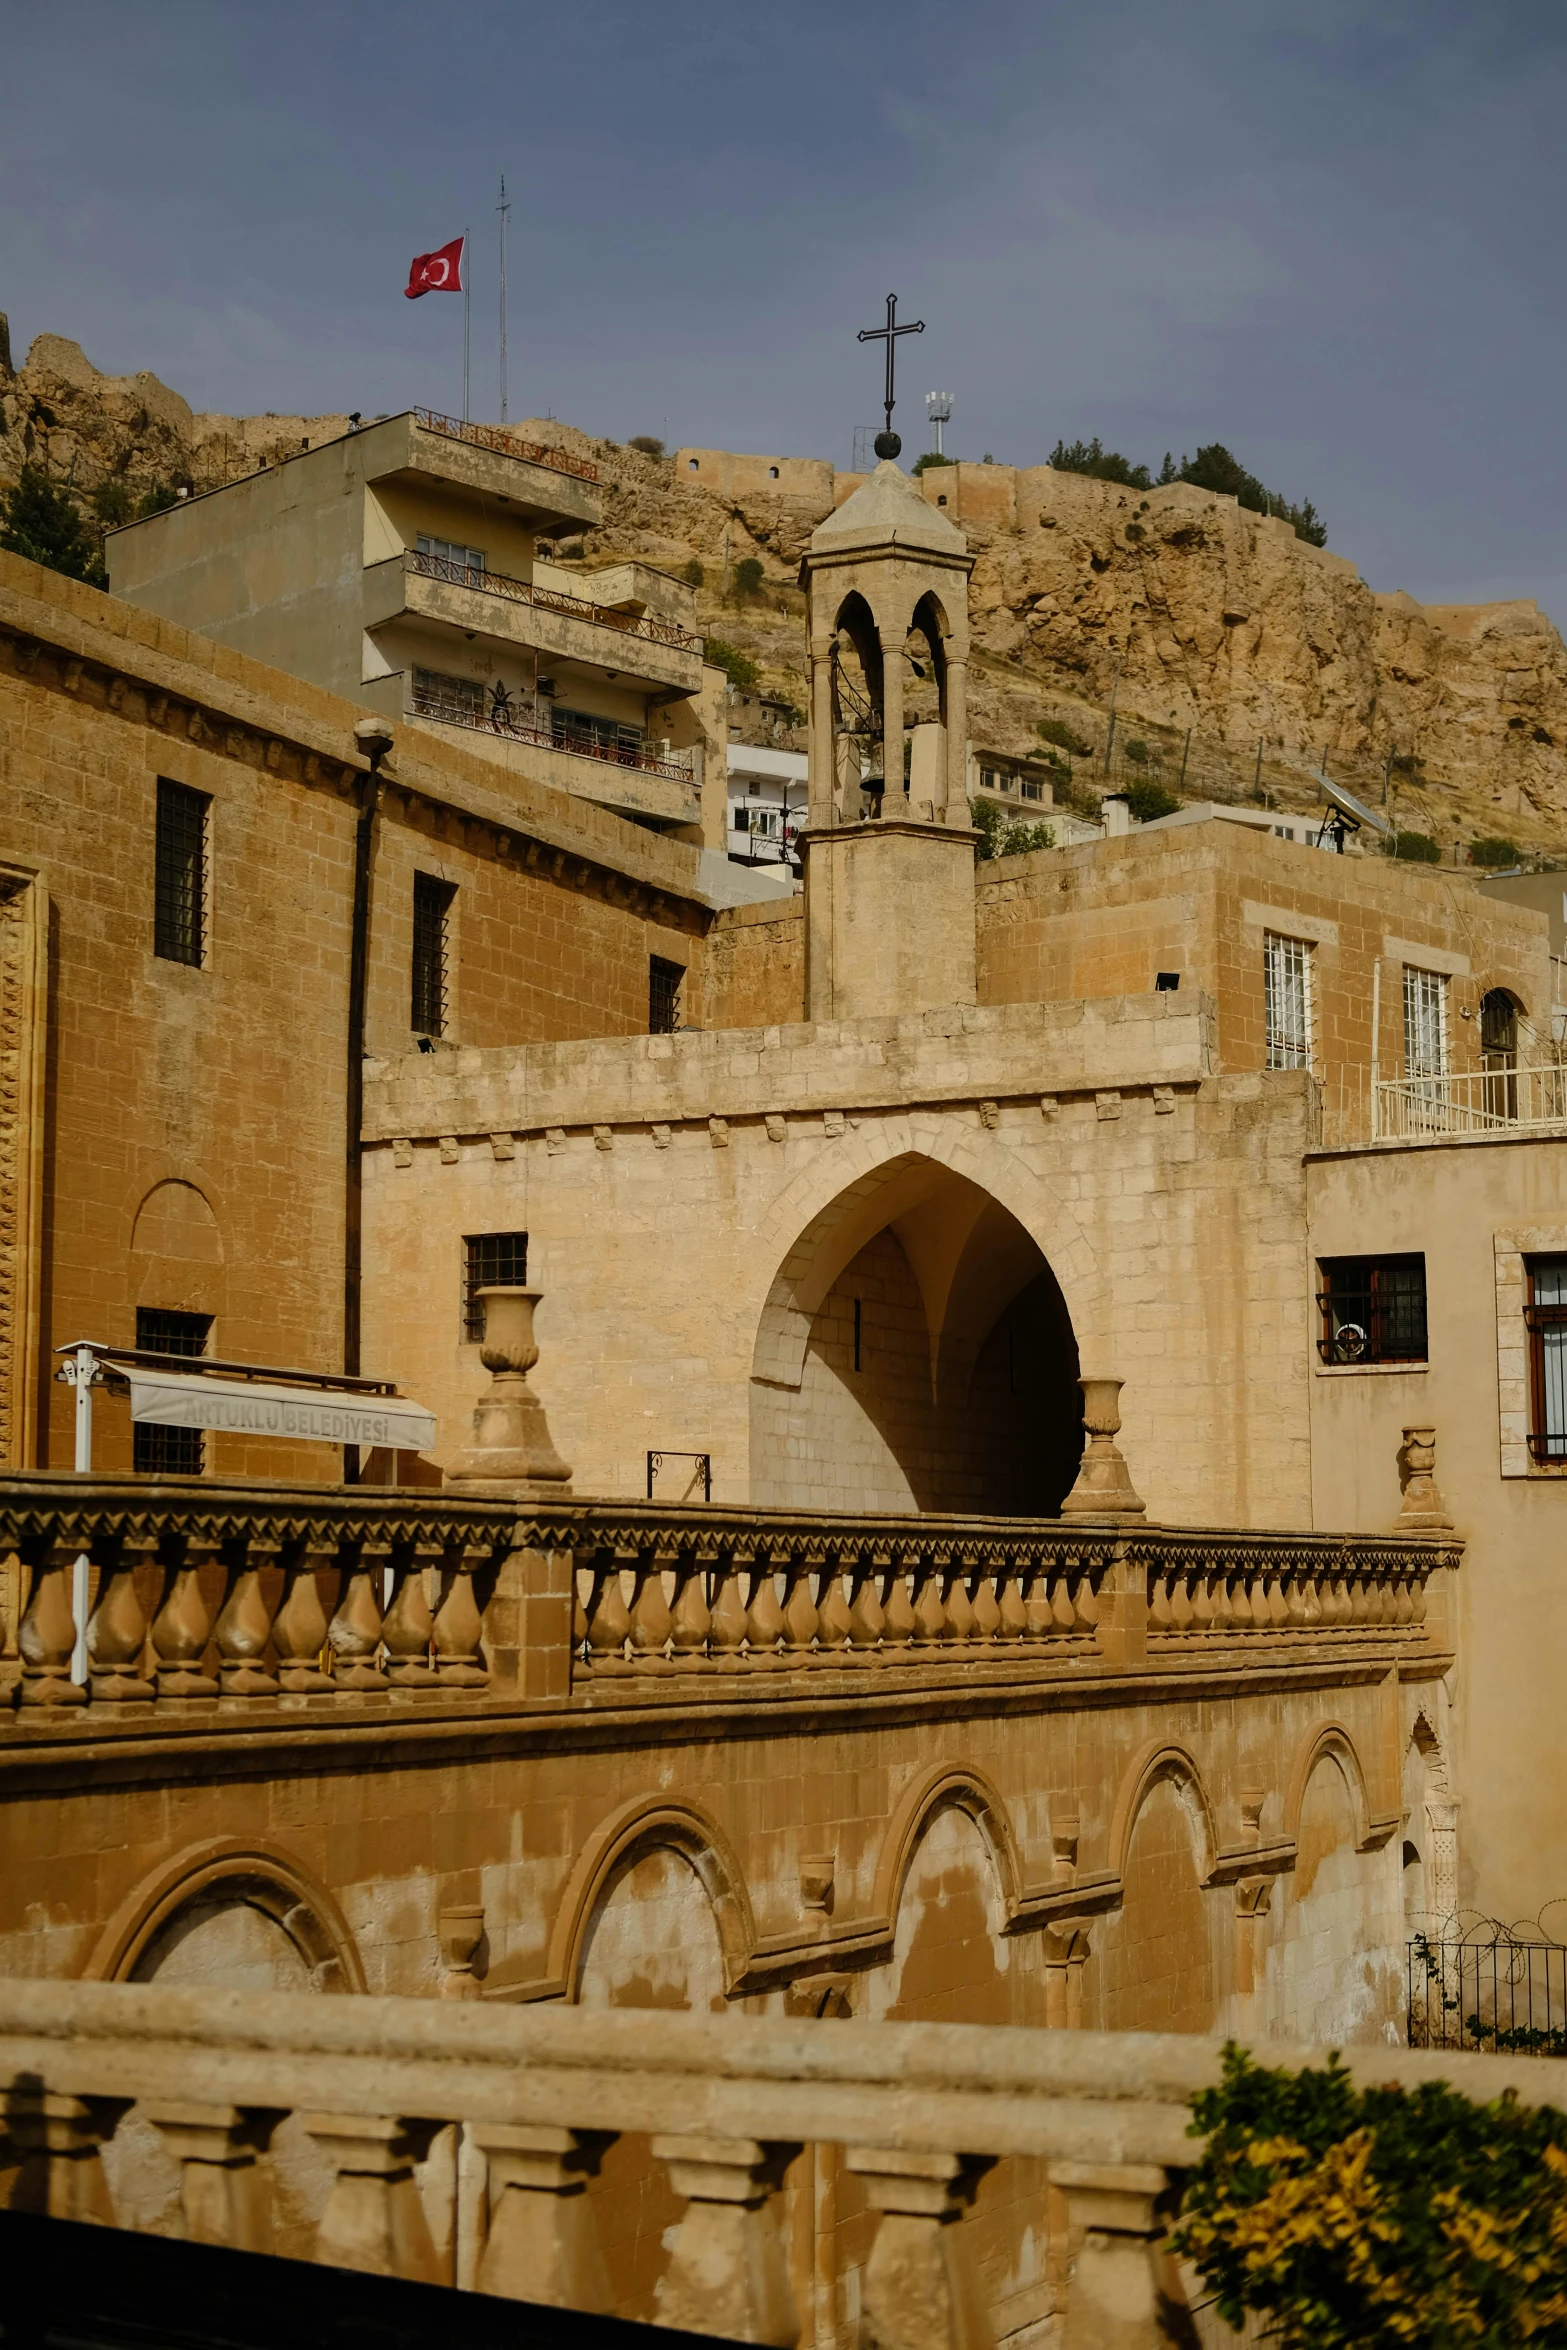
1148, 800
647, 442
924, 464
1213, 468
1099, 463
748, 577
1495, 853
42, 523
1377, 2219
693, 574
1416, 848
1065, 738
741, 671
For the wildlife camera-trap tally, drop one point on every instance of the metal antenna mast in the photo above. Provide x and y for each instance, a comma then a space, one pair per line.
938, 411
504, 209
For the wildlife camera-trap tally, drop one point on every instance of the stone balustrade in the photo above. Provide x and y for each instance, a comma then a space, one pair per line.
290, 1596
918, 2112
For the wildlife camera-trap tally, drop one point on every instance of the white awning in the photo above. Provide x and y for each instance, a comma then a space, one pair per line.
301, 1415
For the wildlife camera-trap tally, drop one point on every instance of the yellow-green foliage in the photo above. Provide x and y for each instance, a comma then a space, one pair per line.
1380, 2219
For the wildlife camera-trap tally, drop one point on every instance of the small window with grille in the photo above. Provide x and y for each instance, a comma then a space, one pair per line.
432, 924
169, 1452
1425, 1023
1373, 1309
1286, 970
1545, 1316
663, 995
179, 923
491, 1260
462, 564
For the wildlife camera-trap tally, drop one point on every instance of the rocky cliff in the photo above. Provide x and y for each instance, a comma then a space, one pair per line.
1189, 612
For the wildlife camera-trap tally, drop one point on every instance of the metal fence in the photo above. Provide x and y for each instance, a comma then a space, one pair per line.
1491, 1994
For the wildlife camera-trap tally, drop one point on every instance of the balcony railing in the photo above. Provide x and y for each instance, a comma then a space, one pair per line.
575, 746
258, 1592
485, 582
1473, 1101
505, 444
536, 2098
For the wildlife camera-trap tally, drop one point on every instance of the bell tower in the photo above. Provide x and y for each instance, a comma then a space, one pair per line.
889, 852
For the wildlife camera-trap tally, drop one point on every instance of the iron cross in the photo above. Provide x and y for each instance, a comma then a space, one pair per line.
889, 334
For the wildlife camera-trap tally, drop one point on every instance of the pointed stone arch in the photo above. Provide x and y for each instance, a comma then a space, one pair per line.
1161, 1759
946, 1786
1331, 1739
642, 1825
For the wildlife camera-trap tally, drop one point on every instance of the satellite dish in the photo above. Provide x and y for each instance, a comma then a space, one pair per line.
1347, 805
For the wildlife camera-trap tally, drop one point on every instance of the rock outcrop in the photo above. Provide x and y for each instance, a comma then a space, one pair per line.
1188, 611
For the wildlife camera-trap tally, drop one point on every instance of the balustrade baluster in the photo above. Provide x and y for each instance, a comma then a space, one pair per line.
542, 2245
727, 1636
650, 1626
60, 2141
1278, 1612
1417, 1600
182, 1627
900, 1630
300, 1626
1180, 1602
47, 1633
354, 1634
1039, 1617
867, 1616
374, 2219
1294, 1599
408, 1624
1119, 2213
1223, 1611
690, 1621
222, 2190
1085, 1602
930, 1615
834, 1617
1063, 1616
799, 1614
1201, 1599
1402, 1611
958, 1612
764, 1622
117, 1629
922, 2290
987, 1608
609, 1624
1161, 1609
1310, 1604
727, 2273
1257, 1593
458, 1631
244, 1623
1014, 1611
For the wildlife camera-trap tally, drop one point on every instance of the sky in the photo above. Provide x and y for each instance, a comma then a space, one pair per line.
1328, 237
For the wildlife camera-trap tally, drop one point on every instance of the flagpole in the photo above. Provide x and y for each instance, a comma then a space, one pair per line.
504, 209
465, 282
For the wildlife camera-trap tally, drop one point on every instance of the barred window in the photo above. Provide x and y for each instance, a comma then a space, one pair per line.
438, 695
432, 912
179, 922
663, 995
1425, 1023
1545, 1316
169, 1452
491, 1260
1286, 966
1373, 1309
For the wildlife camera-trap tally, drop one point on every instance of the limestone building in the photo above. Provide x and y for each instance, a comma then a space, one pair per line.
1002, 1279
399, 566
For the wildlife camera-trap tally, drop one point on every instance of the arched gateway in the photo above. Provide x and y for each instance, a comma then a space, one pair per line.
915, 1353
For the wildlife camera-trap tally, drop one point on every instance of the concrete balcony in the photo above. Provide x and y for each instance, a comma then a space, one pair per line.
569, 633
643, 785
547, 489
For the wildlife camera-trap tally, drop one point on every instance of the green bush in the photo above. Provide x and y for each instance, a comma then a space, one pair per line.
1213, 468
1377, 2219
1001, 836
693, 574
573, 553
1148, 800
1494, 852
748, 576
1099, 463
741, 671
1065, 738
1416, 848
1138, 752
42, 523
1405, 763
930, 458
647, 442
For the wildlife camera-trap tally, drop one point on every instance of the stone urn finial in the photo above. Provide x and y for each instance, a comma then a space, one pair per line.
1424, 1511
1104, 1485
511, 1438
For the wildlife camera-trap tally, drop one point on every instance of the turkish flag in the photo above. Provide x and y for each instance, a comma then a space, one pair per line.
436, 273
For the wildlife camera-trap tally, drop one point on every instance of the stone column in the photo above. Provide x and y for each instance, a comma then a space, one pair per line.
1116, 2289
221, 2189
822, 774
728, 2274
893, 799
511, 1447
374, 2219
922, 2290
956, 811
1423, 1510
541, 2244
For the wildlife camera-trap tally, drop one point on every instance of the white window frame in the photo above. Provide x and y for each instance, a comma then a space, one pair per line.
1286, 960
449, 551
1425, 1022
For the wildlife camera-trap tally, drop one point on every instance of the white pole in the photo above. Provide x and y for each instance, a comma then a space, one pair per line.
1376, 1030
504, 209
85, 1371
465, 292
